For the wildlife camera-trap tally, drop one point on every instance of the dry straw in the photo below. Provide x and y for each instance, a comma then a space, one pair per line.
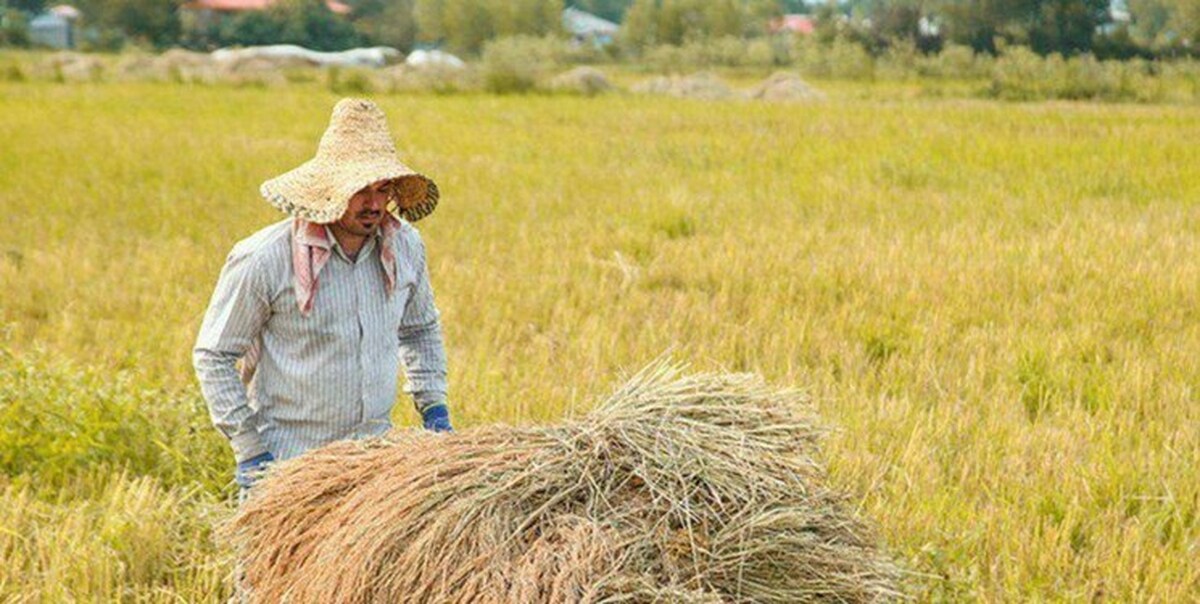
676, 489
355, 151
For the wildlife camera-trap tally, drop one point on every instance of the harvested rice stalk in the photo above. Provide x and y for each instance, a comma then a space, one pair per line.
677, 488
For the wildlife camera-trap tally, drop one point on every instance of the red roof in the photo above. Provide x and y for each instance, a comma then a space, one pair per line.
797, 24
237, 6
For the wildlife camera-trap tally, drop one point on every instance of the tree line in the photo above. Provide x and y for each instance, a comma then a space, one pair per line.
1068, 27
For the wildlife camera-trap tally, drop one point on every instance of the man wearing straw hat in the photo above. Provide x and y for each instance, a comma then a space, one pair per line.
323, 307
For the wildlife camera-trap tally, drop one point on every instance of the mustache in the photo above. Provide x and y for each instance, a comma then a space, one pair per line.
369, 214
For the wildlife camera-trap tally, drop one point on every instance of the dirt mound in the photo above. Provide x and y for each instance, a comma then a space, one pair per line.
705, 86
783, 86
676, 489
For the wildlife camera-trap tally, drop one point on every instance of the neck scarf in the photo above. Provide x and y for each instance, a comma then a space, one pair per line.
311, 249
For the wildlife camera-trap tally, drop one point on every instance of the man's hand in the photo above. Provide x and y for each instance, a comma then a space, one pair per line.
249, 471
437, 418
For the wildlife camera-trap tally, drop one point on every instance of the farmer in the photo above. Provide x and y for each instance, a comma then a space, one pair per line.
322, 307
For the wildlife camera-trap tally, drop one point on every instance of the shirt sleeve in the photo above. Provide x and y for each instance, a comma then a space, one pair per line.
235, 318
422, 351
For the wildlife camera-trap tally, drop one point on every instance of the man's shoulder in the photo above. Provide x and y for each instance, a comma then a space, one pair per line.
408, 239
267, 249
270, 239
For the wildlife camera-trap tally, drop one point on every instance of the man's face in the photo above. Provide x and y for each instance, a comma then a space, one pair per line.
365, 211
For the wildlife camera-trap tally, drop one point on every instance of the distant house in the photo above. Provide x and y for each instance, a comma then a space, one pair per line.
795, 24
55, 28
586, 28
1119, 18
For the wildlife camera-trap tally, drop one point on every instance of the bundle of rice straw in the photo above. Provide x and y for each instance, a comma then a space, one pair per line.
784, 86
676, 489
584, 80
703, 85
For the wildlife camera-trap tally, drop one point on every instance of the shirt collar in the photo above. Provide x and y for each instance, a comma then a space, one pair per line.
320, 235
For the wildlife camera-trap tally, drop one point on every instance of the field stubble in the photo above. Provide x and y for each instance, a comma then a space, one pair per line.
998, 305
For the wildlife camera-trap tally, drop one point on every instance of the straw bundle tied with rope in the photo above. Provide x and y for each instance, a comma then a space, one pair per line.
677, 488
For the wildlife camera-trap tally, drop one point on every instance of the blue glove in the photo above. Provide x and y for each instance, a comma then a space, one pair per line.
249, 471
437, 418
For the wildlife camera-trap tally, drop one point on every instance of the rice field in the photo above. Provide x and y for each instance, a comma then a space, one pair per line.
997, 306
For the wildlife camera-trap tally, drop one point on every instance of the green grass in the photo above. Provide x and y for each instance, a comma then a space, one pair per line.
998, 305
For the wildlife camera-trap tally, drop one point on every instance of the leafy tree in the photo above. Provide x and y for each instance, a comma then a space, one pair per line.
13, 28
613, 10
640, 28
311, 24
1185, 20
1151, 20
651, 22
251, 28
29, 6
1065, 26
889, 21
152, 21
980, 23
387, 22
464, 25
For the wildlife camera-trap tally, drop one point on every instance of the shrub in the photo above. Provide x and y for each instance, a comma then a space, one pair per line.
1021, 75
667, 59
12, 73
955, 61
349, 81
14, 30
516, 63
438, 79
58, 422
843, 59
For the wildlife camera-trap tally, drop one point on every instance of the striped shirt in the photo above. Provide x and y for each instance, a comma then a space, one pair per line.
327, 375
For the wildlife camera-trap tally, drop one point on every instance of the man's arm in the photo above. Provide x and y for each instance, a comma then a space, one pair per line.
421, 348
236, 315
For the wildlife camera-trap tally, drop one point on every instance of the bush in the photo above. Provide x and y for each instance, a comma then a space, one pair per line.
12, 73
728, 51
14, 30
1021, 75
58, 422
348, 81
842, 59
438, 79
516, 63
667, 59
954, 61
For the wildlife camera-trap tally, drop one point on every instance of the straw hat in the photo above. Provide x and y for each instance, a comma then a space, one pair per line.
355, 151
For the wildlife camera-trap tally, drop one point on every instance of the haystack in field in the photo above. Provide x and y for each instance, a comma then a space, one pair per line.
703, 85
187, 66
784, 86
174, 65
584, 80
73, 67
676, 489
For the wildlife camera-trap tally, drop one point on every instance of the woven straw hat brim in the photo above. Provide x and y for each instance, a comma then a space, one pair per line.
319, 192
355, 151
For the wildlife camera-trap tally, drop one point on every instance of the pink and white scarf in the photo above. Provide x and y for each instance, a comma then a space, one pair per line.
311, 250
